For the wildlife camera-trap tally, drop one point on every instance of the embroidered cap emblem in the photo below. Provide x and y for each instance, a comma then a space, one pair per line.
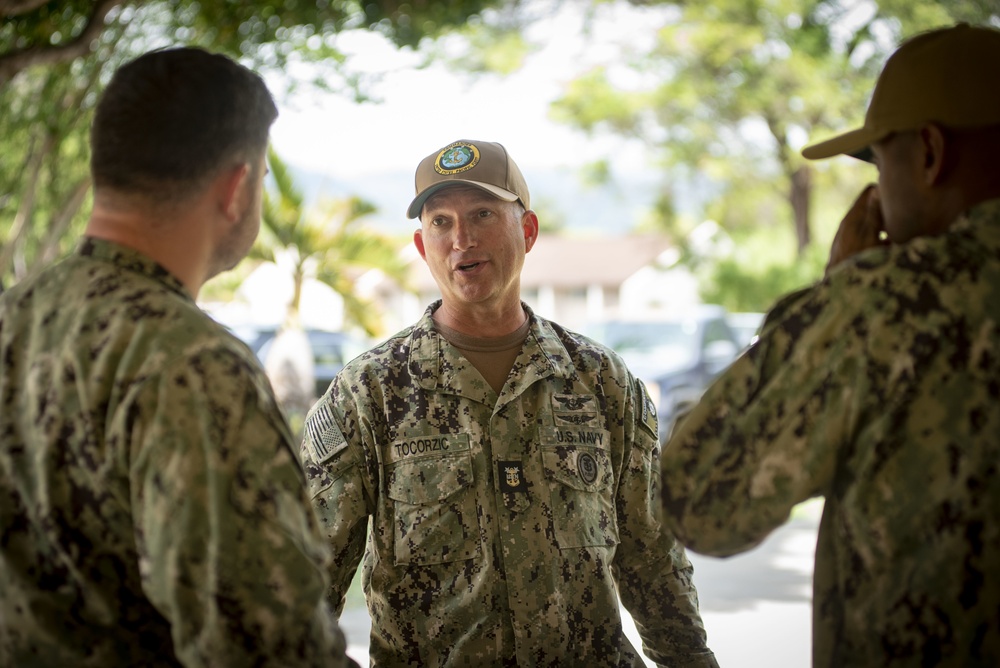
456, 158
588, 467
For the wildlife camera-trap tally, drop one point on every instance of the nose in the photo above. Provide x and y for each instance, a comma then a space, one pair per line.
463, 236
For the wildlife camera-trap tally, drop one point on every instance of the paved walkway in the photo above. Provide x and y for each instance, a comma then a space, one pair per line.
756, 607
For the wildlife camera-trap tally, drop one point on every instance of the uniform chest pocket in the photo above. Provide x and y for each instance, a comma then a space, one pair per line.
581, 488
435, 520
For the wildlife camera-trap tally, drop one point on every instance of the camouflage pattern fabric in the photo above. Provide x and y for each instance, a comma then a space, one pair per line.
500, 526
879, 389
152, 509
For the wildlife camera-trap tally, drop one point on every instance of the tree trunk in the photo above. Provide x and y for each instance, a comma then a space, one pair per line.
32, 171
800, 196
50, 246
291, 369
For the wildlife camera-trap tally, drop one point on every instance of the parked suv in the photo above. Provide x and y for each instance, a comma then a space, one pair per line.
676, 354
331, 350
746, 326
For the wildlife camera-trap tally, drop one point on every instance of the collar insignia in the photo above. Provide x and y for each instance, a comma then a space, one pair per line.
512, 478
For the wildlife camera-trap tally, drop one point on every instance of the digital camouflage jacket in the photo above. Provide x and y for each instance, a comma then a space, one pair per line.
152, 508
501, 527
879, 389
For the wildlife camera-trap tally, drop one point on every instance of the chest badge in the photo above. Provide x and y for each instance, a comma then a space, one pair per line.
588, 467
574, 409
512, 477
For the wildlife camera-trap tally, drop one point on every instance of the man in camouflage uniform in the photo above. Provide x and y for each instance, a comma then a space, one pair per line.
507, 464
152, 509
879, 387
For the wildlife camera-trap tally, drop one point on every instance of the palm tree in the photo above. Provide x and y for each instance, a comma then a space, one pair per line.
331, 245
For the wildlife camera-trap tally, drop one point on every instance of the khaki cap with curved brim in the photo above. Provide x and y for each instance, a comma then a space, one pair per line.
949, 76
483, 164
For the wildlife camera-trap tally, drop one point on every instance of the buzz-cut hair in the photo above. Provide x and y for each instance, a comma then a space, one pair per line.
172, 118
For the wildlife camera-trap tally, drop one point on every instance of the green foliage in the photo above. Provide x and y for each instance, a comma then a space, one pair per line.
329, 243
488, 49
264, 32
762, 264
761, 271
493, 41
728, 94
914, 17
732, 89
44, 174
591, 102
56, 56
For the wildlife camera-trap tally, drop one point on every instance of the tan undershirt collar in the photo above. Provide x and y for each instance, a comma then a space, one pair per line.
492, 356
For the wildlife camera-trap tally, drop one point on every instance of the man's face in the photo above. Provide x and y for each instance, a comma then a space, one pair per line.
906, 210
241, 236
474, 245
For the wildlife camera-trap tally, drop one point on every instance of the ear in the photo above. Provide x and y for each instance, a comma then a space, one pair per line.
937, 151
418, 241
529, 223
230, 186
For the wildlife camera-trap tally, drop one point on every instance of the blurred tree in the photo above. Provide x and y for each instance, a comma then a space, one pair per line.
56, 55
264, 32
44, 176
330, 245
731, 90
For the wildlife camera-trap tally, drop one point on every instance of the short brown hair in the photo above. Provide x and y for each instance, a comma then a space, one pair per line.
173, 117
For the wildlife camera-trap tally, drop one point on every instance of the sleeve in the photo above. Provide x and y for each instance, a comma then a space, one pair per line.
765, 435
654, 575
332, 454
229, 552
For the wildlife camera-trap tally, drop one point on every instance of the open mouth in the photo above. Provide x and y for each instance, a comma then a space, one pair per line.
467, 267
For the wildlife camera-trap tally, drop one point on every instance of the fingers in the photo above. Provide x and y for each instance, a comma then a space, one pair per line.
860, 229
873, 225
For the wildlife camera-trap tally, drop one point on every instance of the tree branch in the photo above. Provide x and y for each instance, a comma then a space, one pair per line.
18, 228
10, 8
17, 60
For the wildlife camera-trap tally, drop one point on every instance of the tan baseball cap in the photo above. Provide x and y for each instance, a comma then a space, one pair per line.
483, 164
949, 76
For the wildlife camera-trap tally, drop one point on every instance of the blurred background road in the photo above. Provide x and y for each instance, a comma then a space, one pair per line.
756, 607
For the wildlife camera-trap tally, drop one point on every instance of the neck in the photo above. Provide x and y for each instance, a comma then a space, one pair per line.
485, 322
179, 244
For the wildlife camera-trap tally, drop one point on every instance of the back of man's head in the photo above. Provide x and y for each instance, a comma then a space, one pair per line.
172, 118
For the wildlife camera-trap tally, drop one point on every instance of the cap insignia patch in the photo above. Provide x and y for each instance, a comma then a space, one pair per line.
456, 158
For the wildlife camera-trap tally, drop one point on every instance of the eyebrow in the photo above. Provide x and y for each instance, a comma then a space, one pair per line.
483, 202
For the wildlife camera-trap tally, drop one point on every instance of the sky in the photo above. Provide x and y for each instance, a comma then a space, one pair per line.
424, 110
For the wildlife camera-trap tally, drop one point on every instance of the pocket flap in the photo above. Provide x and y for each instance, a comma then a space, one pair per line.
428, 480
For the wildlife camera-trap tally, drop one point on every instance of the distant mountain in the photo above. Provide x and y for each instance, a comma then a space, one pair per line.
557, 195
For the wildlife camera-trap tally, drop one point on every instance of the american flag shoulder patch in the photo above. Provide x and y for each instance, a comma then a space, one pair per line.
323, 437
